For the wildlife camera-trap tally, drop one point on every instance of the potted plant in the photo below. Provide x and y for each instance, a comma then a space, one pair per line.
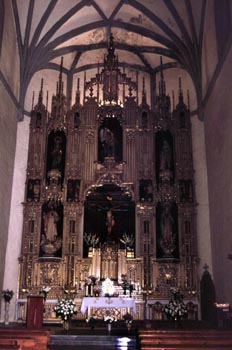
176, 308
7, 296
92, 320
109, 319
128, 318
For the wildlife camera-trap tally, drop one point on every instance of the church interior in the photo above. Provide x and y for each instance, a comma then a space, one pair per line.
115, 164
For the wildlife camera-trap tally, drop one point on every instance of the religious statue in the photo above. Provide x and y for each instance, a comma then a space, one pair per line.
166, 162
50, 225
57, 153
165, 156
51, 240
107, 141
109, 221
167, 241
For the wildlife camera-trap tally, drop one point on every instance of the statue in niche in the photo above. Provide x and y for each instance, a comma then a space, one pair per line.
186, 193
110, 140
77, 121
166, 223
146, 191
51, 230
57, 153
107, 141
165, 157
56, 149
33, 190
50, 225
167, 231
73, 190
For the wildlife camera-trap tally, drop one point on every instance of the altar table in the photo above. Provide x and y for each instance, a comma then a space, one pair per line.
108, 302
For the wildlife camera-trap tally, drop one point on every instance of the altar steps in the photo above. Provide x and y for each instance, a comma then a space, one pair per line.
92, 342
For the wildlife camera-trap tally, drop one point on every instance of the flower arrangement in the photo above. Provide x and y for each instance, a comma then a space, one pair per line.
7, 295
128, 318
65, 309
90, 239
176, 308
127, 240
109, 318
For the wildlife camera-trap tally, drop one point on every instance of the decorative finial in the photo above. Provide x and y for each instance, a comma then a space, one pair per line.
40, 100
180, 91
60, 86
173, 99
144, 96
47, 101
33, 97
188, 100
78, 92
162, 82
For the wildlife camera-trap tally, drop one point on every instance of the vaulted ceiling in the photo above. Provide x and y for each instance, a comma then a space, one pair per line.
181, 31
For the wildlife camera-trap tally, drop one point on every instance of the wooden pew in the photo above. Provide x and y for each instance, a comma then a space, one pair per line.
185, 339
33, 339
9, 344
24, 343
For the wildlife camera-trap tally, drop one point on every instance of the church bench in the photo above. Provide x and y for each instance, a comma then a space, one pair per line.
185, 339
24, 343
7, 344
185, 334
164, 347
187, 342
28, 339
188, 336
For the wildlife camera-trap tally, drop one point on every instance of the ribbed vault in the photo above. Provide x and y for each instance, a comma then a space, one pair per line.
143, 30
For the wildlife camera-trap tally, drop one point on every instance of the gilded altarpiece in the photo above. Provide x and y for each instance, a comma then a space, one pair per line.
109, 194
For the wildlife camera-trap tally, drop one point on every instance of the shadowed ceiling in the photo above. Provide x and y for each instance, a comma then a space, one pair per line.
183, 32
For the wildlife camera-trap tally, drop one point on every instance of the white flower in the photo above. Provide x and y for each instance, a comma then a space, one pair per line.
65, 308
110, 319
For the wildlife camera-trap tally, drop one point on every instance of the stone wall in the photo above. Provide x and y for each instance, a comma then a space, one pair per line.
218, 135
9, 78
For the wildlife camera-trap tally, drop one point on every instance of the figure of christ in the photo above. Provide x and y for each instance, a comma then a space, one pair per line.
109, 221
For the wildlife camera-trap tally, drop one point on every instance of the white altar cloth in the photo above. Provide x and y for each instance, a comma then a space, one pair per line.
108, 302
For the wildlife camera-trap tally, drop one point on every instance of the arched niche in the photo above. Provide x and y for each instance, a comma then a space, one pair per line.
51, 237
164, 156
56, 150
109, 214
110, 139
167, 238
